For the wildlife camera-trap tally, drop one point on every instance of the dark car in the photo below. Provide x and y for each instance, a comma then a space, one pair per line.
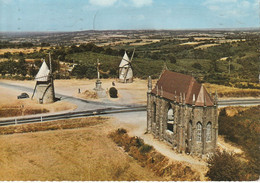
23, 95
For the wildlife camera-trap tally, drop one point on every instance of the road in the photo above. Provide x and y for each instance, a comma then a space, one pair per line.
81, 103
133, 116
238, 102
90, 108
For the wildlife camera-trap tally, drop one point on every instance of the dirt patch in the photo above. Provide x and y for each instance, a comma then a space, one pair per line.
88, 95
80, 154
11, 106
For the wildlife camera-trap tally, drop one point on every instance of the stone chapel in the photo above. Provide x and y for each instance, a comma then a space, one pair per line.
181, 112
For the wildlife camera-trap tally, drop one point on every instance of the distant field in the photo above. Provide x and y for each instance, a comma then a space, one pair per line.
226, 91
205, 46
23, 50
191, 43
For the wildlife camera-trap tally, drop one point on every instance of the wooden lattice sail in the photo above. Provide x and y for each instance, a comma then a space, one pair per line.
44, 87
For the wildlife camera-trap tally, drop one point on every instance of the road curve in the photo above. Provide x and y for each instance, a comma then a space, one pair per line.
81, 103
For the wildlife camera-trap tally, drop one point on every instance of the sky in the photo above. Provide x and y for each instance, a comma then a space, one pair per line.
79, 15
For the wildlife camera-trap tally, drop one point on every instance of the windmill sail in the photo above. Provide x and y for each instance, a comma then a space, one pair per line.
43, 73
125, 70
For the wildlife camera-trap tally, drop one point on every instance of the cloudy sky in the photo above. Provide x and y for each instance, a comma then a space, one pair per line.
77, 15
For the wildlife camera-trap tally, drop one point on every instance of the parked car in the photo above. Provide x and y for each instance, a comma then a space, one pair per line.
23, 95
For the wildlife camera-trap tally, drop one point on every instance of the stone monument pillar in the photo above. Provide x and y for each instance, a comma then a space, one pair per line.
99, 90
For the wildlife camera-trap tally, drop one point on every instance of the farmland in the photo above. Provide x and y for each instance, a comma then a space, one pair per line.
219, 57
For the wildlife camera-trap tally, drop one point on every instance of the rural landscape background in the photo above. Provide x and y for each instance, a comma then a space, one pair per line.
116, 146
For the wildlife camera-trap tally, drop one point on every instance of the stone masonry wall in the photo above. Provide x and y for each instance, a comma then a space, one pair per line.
185, 132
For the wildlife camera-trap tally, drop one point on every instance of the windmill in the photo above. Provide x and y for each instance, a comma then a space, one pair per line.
125, 69
44, 87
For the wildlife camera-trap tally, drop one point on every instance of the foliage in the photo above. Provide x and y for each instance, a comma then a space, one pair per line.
84, 70
113, 92
197, 66
148, 157
243, 129
225, 167
205, 64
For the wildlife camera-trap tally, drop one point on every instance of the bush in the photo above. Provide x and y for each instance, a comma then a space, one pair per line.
145, 148
225, 167
113, 92
197, 66
243, 129
121, 131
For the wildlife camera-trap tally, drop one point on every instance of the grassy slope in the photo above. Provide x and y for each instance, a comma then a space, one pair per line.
73, 154
243, 129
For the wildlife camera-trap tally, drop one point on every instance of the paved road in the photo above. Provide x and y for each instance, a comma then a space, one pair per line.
238, 102
68, 115
86, 105
81, 103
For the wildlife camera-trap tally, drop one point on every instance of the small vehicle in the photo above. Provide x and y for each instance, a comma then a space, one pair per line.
23, 95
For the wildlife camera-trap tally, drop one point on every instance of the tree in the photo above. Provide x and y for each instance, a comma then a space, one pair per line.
32, 71
38, 63
191, 39
121, 52
224, 166
197, 66
109, 51
22, 67
172, 59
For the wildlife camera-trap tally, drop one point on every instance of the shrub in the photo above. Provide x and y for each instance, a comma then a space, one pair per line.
121, 131
225, 167
197, 66
243, 129
145, 148
113, 92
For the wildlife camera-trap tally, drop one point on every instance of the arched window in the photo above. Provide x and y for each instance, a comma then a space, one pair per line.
190, 130
208, 132
170, 120
199, 131
154, 112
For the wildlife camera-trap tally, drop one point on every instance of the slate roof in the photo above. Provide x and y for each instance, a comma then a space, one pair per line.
172, 84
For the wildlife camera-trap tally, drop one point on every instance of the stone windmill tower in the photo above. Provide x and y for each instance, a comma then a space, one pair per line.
44, 86
125, 69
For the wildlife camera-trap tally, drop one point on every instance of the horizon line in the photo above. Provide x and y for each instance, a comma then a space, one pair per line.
178, 29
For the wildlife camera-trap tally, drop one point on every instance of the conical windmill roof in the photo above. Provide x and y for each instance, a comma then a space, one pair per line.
125, 61
43, 73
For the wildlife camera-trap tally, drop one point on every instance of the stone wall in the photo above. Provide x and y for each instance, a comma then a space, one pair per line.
184, 137
45, 93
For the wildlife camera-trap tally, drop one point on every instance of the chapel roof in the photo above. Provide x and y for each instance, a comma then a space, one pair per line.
179, 87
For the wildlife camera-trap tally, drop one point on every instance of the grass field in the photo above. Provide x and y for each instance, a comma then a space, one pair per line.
77, 154
23, 50
227, 92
